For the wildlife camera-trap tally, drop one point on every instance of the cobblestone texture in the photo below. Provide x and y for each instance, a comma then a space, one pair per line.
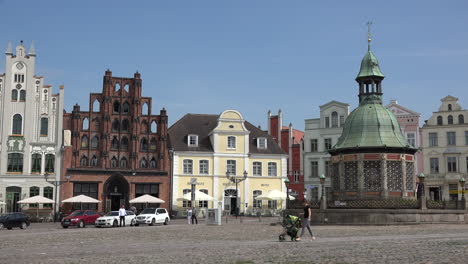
234, 242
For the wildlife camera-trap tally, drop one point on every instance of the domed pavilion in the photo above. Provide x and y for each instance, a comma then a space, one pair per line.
372, 159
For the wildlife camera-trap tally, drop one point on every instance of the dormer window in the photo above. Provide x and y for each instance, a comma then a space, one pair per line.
261, 143
231, 142
192, 140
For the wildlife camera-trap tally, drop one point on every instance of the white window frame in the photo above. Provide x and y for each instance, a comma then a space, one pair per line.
296, 176
230, 143
231, 168
204, 169
411, 139
272, 172
189, 140
257, 168
262, 143
203, 203
186, 168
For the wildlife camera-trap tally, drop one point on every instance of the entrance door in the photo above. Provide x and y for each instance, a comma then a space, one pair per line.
434, 193
117, 190
115, 202
13, 195
230, 201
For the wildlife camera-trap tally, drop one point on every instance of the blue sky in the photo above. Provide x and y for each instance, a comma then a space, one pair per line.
249, 55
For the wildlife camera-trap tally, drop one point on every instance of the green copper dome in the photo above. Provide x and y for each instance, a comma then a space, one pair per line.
369, 66
371, 126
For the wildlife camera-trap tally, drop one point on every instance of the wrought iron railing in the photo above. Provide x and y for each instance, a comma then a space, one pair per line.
375, 204
444, 204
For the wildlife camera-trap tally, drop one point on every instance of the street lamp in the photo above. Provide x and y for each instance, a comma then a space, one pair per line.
56, 184
286, 182
322, 182
421, 177
236, 180
462, 184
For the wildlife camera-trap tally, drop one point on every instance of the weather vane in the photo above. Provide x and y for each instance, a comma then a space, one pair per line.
369, 35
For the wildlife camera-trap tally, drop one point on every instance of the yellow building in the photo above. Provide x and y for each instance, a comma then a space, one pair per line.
208, 147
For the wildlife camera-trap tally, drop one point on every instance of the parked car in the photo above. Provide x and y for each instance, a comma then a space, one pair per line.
112, 219
152, 216
11, 220
80, 218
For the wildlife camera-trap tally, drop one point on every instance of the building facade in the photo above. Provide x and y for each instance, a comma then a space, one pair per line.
445, 150
289, 139
118, 148
31, 131
409, 124
372, 159
321, 134
208, 147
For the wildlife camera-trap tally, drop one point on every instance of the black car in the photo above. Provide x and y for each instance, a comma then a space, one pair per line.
14, 220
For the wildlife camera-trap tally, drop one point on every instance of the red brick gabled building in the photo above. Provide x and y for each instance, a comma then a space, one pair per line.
290, 141
118, 148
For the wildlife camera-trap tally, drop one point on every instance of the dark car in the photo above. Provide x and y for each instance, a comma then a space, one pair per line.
14, 220
80, 218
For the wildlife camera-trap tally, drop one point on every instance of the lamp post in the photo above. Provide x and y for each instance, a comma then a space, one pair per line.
462, 184
56, 184
420, 190
323, 203
236, 180
286, 183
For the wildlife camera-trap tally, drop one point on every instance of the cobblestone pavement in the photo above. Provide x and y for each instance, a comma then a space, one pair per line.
248, 242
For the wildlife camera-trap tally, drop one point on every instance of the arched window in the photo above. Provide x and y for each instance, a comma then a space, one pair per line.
257, 203
115, 143
33, 191
123, 163
334, 119
154, 127
50, 163
114, 162
186, 203
145, 109
117, 87
153, 163
14, 95
36, 162
439, 121
126, 87
22, 95
450, 120
126, 108
461, 119
450, 107
15, 162
116, 107
143, 144
48, 193
144, 127
115, 125
143, 163
153, 143
94, 161
85, 123
44, 126
84, 141
124, 143
17, 125
95, 142
84, 161
125, 125
96, 106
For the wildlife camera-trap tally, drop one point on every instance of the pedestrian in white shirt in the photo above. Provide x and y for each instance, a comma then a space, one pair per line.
122, 214
189, 216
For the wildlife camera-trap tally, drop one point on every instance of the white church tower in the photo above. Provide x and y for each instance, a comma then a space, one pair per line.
30, 132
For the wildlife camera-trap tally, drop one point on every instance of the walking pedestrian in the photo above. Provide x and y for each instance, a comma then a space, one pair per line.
306, 221
189, 216
194, 216
122, 214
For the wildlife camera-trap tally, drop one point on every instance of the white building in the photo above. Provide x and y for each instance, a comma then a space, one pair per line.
445, 150
320, 136
30, 131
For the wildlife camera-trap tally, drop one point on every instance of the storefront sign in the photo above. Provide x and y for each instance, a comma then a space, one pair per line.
265, 185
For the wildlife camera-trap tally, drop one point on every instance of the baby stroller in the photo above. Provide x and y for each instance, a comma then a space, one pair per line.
291, 225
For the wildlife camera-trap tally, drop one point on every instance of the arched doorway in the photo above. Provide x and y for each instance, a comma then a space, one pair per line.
13, 194
231, 200
116, 191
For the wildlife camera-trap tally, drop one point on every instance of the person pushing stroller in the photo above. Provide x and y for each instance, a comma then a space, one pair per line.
291, 225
